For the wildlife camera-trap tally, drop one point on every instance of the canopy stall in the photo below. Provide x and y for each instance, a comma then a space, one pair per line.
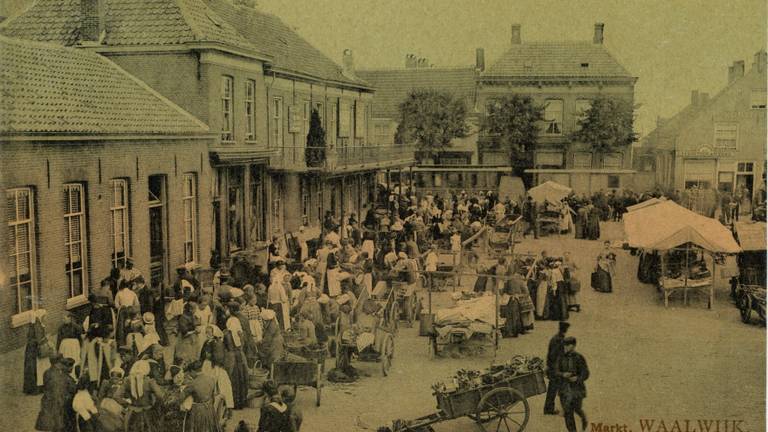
549, 191
751, 262
673, 230
644, 204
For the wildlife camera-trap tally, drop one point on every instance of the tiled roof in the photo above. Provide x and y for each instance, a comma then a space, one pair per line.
127, 23
175, 22
49, 89
392, 86
287, 50
557, 59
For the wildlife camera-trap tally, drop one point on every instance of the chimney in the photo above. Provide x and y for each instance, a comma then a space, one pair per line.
410, 61
695, 98
348, 63
736, 71
480, 59
598, 37
422, 62
761, 58
91, 20
516, 39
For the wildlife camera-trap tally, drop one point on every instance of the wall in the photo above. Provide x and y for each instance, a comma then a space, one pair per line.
46, 166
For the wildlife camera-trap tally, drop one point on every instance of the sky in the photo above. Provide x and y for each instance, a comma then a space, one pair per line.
672, 46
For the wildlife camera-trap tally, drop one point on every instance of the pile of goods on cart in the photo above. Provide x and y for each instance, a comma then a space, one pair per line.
467, 379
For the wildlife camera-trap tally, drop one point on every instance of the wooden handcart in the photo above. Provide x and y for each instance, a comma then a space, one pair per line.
498, 406
751, 299
298, 373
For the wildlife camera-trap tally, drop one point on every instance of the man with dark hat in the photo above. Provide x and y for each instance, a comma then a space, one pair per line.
58, 390
572, 370
554, 352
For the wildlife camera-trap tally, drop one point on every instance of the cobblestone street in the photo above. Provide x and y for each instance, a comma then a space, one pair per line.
704, 364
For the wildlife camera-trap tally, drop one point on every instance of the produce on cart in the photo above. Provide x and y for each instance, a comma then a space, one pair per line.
496, 398
465, 329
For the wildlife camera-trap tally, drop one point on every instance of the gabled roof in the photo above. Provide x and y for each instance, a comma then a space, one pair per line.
50, 89
393, 85
289, 52
556, 59
127, 23
179, 22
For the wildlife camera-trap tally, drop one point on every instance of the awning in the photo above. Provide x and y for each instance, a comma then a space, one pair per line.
751, 235
238, 156
666, 225
549, 191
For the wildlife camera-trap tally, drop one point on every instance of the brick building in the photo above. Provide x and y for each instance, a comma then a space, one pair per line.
96, 167
562, 76
254, 81
716, 143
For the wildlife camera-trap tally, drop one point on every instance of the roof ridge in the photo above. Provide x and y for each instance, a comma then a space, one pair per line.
152, 91
404, 69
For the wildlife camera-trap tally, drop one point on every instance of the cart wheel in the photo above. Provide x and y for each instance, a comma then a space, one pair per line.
394, 315
503, 409
745, 307
387, 353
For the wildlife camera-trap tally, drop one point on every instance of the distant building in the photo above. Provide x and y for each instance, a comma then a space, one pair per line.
563, 76
96, 167
717, 143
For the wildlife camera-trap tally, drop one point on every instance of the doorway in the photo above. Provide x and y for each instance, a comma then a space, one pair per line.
745, 183
157, 229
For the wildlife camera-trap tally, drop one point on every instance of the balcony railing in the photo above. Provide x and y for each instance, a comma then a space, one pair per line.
302, 158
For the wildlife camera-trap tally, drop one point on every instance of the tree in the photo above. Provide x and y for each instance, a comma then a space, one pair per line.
512, 123
431, 119
315, 151
607, 125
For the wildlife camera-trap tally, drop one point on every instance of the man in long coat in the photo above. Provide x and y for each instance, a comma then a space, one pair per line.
554, 352
573, 371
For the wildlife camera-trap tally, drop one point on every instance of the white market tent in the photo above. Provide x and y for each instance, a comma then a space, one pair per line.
666, 225
644, 204
549, 191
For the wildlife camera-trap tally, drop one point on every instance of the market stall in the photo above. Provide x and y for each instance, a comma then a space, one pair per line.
554, 218
748, 289
686, 243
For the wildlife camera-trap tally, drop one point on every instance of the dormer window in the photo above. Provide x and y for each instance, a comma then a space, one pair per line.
584, 65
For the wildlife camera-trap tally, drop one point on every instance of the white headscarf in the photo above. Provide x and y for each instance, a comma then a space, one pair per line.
233, 325
139, 370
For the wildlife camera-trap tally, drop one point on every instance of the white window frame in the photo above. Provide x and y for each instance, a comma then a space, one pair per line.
119, 207
71, 243
189, 205
250, 110
554, 125
333, 128
277, 120
726, 132
757, 99
14, 224
227, 119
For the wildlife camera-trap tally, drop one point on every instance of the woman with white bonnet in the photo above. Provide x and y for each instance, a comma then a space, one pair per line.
272, 345
212, 356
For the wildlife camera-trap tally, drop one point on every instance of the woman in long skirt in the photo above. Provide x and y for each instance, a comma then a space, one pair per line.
202, 414
36, 354
559, 309
603, 276
234, 361
212, 358
56, 404
572, 282
542, 292
186, 343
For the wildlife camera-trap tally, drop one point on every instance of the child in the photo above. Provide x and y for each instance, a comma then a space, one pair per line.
84, 406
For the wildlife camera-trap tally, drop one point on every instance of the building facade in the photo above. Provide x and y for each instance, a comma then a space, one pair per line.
716, 143
254, 82
96, 167
563, 77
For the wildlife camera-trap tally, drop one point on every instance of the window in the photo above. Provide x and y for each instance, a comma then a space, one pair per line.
613, 182
21, 247
119, 212
277, 121
189, 201
360, 124
612, 160
75, 239
580, 111
549, 160
250, 114
582, 160
757, 99
745, 167
227, 123
725, 181
553, 115
381, 131
307, 117
258, 219
306, 195
332, 124
726, 135
345, 117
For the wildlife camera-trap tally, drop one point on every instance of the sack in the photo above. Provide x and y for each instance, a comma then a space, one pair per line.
574, 286
595, 281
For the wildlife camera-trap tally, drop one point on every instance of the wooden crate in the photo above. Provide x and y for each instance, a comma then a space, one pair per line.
530, 384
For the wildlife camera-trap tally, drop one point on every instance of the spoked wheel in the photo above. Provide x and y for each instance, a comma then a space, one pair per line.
387, 353
745, 307
394, 315
503, 409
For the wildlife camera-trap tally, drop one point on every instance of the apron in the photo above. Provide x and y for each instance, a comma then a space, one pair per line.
70, 348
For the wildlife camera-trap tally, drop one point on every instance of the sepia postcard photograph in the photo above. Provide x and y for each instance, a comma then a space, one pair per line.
383, 215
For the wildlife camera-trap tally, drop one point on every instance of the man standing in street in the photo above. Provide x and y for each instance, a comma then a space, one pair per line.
554, 352
572, 371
